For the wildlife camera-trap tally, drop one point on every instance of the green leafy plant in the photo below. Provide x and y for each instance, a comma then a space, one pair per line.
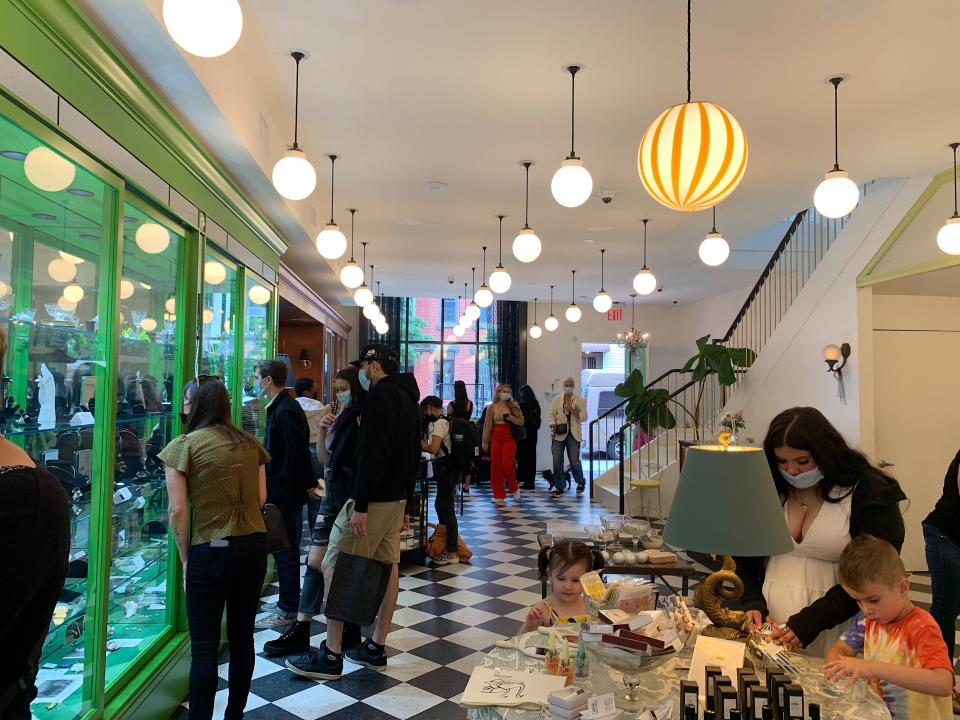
713, 358
646, 406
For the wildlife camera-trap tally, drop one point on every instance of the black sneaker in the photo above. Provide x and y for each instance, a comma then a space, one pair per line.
318, 665
369, 655
556, 493
295, 641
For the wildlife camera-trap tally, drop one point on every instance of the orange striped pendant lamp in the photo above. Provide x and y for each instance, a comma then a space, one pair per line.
694, 154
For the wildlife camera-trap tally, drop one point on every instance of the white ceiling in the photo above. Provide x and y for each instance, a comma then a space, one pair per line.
410, 91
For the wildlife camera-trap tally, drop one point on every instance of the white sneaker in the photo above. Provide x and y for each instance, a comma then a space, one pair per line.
448, 558
274, 620
516, 495
499, 501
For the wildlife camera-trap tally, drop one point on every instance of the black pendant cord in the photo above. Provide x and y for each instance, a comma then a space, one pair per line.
645, 221
573, 287
954, 146
714, 219
483, 276
535, 311
297, 57
633, 307
371, 273
465, 298
689, 74
835, 81
574, 69
526, 211
352, 211
473, 282
551, 300
379, 294
500, 262
333, 163
365, 258
602, 251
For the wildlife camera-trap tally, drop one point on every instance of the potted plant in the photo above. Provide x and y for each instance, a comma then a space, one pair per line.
714, 358
646, 407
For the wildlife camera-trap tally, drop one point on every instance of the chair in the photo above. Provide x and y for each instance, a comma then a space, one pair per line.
644, 485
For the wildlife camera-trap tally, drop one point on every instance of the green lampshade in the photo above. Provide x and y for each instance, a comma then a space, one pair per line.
726, 504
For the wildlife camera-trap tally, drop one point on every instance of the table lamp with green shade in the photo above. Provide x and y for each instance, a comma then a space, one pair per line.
726, 504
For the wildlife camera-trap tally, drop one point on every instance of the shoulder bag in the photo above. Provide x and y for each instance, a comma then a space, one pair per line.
276, 532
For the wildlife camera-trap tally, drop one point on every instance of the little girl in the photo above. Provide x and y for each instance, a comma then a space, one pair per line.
562, 564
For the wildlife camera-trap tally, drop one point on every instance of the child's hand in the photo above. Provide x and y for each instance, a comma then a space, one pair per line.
848, 667
536, 617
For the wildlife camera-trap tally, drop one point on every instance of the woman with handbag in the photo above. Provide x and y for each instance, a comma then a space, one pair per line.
502, 427
566, 413
219, 470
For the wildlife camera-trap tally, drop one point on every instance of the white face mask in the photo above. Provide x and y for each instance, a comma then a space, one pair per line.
804, 480
505, 396
567, 390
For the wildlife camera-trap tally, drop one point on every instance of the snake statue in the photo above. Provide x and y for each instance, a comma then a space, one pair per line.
727, 624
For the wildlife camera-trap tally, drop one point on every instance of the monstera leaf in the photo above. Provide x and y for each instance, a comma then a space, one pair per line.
646, 407
719, 359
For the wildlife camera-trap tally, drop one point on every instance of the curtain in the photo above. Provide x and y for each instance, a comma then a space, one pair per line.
393, 308
505, 333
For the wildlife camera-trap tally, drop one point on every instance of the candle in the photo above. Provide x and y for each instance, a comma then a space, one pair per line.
566, 652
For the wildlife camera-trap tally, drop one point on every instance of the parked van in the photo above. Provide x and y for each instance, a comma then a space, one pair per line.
598, 391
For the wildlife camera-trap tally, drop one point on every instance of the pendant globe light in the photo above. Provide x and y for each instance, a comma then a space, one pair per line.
331, 243
472, 311
526, 245
573, 313
602, 302
351, 274
371, 309
535, 329
484, 296
293, 176
363, 296
948, 239
837, 195
714, 250
572, 185
551, 323
380, 323
205, 28
463, 323
645, 282
694, 154
500, 279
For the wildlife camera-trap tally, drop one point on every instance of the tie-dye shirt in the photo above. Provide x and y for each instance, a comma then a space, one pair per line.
915, 641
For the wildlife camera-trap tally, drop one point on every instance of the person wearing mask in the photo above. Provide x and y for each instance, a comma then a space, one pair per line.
387, 460
830, 493
437, 442
35, 516
290, 482
567, 411
219, 470
501, 415
461, 409
337, 449
527, 448
306, 390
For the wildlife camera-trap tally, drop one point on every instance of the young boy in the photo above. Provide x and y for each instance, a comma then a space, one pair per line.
904, 656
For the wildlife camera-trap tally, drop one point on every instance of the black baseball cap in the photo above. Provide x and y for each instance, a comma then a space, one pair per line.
378, 352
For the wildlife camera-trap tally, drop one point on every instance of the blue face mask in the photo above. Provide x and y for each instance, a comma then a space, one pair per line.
344, 399
364, 380
804, 480
257, 391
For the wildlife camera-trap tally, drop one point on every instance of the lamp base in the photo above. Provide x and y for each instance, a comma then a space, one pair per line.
711, 592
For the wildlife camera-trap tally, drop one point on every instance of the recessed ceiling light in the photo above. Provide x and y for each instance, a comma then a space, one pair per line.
13, 155
409, 221
130, 219
44, 216
588, 241
435, 185
599, 228
89, 236
80, 192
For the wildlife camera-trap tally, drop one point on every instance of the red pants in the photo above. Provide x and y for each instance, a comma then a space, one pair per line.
503, 462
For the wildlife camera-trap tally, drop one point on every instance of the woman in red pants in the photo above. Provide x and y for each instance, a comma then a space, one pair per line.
498, 440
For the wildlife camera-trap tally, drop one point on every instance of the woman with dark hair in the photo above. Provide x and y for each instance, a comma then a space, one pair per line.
527, 448
337, 450
461, 409
219, 470
830, 494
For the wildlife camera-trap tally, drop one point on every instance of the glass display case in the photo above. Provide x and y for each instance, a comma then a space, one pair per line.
257, 346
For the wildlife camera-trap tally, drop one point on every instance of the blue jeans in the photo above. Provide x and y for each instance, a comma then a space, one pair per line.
288, 561
943, 560
573, 454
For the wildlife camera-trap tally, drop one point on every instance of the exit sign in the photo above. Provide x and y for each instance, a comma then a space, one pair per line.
615, 314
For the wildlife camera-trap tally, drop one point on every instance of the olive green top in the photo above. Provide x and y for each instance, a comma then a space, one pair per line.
222, 482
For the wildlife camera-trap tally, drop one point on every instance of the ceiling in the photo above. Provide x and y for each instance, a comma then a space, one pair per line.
413, 91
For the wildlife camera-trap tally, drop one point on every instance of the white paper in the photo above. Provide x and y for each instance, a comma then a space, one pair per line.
509, 688
56, 687
714, 651
600, 706
126, 642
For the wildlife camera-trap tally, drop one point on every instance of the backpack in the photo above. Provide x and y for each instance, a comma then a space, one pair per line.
464, 443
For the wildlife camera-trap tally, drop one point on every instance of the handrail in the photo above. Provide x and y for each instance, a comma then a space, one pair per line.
612, 410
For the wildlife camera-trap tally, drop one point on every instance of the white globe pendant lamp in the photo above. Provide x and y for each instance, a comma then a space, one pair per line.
214, 272
47, 170
371, 311
472, 311
526, 245
293, 175
72, 259
573, 313
572, 185
205, 28
500, 279
459, 331
351, 274
837, 195
645, 282
370, 306
259, 295
602, 302
60, 270
948, 239
380, 320
331, 243
483, 296
535, 329
363, 296
714, 250
551, 323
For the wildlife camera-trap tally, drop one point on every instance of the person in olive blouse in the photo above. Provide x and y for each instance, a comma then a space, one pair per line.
219, 470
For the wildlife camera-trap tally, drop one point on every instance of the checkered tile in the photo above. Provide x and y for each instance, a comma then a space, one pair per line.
446, 618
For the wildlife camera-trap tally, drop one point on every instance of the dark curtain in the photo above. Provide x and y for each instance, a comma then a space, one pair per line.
393, 309
509, 317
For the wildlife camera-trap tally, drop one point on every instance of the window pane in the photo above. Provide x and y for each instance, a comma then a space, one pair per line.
257, 311
423, 360
218, 318
488, 375
460, 363
424, 319
454, 310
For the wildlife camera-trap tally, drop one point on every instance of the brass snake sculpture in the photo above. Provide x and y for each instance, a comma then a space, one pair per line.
727, 624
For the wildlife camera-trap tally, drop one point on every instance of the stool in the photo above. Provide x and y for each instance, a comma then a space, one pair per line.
645, 484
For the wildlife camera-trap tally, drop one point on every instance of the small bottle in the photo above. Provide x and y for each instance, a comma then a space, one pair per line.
735, 715
690, 713
767, 713
813, 711
709, 715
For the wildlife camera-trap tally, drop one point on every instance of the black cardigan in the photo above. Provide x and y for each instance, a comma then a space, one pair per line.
873, 510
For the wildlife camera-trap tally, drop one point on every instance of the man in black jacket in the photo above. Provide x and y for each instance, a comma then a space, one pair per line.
290, 481
388, 457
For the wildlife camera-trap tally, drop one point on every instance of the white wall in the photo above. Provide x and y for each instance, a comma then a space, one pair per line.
790, 370
351, 313
711, 316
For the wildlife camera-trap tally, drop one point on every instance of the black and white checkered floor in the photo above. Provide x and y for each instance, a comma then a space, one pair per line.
446, 619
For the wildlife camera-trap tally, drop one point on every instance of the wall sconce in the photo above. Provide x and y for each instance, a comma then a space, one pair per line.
305, 358
835, 356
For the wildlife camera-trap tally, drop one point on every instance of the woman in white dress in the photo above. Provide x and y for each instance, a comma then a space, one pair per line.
830, 493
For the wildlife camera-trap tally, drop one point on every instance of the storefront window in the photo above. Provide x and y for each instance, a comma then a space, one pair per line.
218, 318
257, 346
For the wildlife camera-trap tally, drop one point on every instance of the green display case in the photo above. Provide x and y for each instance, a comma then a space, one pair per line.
111, 302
